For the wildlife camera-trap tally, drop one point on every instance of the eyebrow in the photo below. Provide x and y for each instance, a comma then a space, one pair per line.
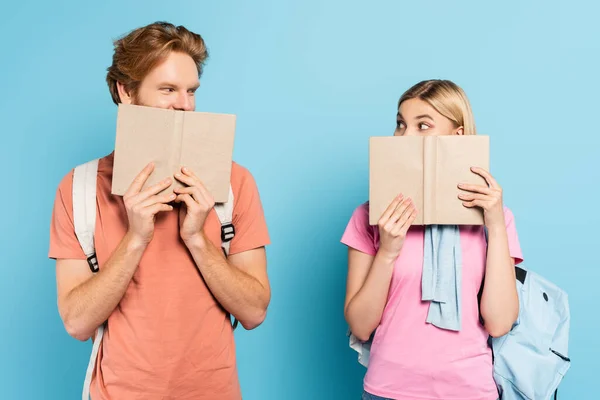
399, 116
195, 86
424, 116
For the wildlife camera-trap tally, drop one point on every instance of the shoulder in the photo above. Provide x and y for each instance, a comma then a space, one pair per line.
508, 215
360, 219
242, 179
239, 172
362, 212
65, 186
63, 192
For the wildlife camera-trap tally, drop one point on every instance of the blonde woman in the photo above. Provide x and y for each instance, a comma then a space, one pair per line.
412, 357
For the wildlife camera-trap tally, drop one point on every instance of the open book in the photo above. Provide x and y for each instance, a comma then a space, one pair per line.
200, 141
427, 169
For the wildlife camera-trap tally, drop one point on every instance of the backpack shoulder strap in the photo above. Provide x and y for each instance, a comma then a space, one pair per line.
225, 214
84, 219
84, 209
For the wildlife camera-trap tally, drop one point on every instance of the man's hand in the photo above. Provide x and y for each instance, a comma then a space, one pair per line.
196, 203
143, 205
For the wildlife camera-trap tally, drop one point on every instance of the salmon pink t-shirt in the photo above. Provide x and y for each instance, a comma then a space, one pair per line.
168, 338
411, 359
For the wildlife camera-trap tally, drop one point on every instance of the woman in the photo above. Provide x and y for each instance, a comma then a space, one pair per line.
410, 358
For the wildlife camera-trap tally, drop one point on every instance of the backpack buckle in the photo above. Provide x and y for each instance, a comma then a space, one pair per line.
93, 263
227, 232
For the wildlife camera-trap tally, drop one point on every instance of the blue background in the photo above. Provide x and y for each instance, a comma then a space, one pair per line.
310, 81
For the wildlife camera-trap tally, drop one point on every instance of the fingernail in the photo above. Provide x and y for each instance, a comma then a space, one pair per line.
178, 175
185, 169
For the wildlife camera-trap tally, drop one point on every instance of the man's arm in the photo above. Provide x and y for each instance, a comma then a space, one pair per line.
240, 283
86, 300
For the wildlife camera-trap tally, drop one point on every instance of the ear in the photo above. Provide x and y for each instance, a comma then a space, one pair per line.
123, 94
459, 131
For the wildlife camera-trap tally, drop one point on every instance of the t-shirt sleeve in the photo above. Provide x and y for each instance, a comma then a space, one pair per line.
514, 247
63, 241
248, 215
359, 234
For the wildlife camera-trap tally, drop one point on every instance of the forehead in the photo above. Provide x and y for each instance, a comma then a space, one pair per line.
414, 108
177, 68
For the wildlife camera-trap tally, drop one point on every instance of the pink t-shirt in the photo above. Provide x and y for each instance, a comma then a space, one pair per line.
411, 359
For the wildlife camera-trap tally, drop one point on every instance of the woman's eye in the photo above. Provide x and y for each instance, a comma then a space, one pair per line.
423, 126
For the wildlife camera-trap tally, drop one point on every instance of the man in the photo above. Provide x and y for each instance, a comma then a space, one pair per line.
164, 286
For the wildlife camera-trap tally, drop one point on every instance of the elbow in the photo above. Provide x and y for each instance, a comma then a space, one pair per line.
363, 336
77, 331
254, 321
359, 330
500, 322
500, 328
362, 333
497, 331
75, 327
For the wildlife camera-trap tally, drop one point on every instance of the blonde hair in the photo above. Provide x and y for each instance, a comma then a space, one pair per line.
447, 98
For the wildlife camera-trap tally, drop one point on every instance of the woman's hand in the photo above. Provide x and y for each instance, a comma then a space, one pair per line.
489, 198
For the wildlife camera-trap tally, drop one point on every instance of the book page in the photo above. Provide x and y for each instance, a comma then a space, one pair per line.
456, 155
144, 134
395, 166
207, 149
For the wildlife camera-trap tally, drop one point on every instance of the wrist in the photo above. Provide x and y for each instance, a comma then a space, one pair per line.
389, 257
134, 243
496, 228
197, 241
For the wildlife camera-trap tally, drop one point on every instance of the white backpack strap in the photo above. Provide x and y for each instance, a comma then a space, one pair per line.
84, 219
84, 209
92, 363
225, 213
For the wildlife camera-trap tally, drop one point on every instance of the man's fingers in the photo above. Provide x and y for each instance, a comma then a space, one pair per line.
159, 207
196, 194
151, 191
140, 180
187, 199
165, 198
198, 183
202, 195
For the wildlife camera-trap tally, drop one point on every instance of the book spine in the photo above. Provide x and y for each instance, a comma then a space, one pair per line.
177, 142
429, 179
